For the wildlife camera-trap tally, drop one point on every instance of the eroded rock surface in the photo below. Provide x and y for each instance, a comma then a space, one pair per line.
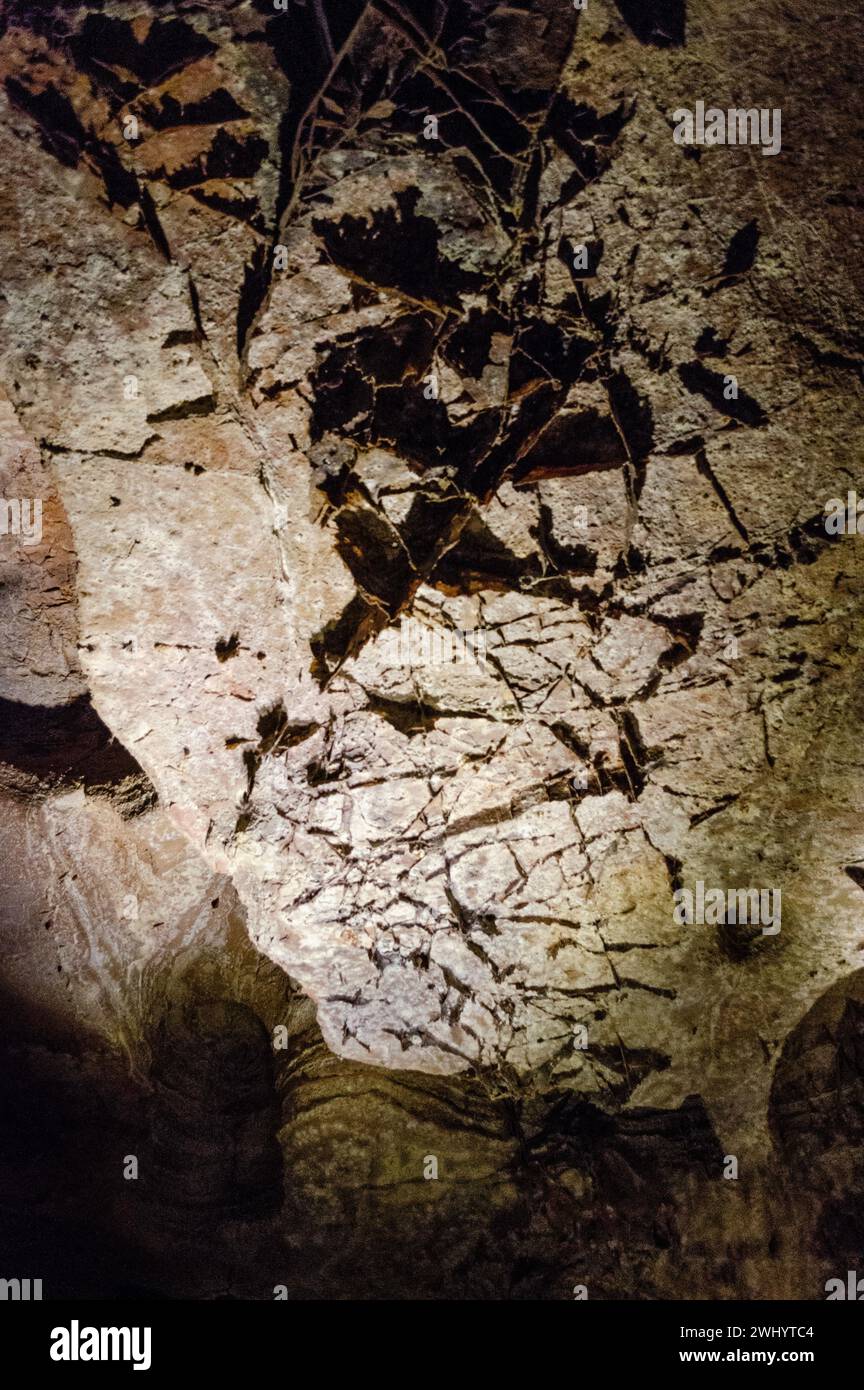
417, 586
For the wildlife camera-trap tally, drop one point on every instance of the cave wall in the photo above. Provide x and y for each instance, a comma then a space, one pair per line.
416, 613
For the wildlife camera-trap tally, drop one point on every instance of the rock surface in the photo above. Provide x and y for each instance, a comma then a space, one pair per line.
414, 614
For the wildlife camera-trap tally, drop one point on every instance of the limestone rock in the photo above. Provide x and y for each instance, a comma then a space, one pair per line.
420, 606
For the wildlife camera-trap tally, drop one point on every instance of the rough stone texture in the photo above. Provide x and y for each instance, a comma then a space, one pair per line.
306, 392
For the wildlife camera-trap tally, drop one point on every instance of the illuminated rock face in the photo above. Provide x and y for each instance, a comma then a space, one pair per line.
435, 454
